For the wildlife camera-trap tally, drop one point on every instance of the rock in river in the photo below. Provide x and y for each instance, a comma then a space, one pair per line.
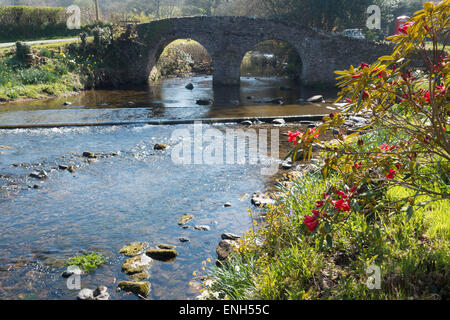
90, 155
185, 219
134, 249
159, 146
140, 288
278, 121
230, 236
204, 102
318, 98
85, 294
136, 264
260, 199
189, 86
101, 293
162, 254
165, 246
224, 249
42, 174
202, 227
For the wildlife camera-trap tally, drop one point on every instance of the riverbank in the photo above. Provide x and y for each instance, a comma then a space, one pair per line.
279, 258
37, 73
370, 220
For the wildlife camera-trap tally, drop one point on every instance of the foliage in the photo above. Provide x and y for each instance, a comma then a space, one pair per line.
87, 262
52, 74
411, 105
381, 196
292, 263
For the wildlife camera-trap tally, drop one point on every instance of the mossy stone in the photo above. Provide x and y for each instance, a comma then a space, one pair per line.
162, 254
140, 288
185, 219
136, 264
134, 249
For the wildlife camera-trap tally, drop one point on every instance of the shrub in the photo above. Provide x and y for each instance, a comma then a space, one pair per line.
411, 105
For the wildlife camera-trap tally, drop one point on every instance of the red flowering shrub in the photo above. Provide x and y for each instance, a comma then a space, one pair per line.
411, 105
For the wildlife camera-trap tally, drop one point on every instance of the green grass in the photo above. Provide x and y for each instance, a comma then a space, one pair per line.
54, 77
87, 262
411, 251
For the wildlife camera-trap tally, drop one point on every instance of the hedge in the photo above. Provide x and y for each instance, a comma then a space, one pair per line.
26, 22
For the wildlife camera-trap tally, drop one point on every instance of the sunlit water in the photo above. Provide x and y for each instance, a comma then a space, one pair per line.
132, 193
169, 99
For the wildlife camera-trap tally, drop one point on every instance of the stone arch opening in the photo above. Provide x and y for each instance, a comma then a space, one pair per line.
181, 57
272, 58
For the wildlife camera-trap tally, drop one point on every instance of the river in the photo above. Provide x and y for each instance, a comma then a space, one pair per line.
131, 192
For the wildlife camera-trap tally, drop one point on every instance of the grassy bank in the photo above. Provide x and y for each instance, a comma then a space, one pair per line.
412, 252
372, 220
49, 72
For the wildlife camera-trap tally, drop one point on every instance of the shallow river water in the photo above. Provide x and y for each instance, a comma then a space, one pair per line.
131, 193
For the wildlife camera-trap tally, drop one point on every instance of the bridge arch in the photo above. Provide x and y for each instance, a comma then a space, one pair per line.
197, 51
276, 47
227, 39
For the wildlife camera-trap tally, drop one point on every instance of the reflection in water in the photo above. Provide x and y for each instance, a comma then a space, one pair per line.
168, 99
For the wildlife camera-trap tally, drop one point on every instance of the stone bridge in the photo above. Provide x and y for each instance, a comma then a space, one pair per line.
227, 39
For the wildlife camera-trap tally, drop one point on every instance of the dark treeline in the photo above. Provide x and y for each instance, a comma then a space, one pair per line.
325, 14
330, 15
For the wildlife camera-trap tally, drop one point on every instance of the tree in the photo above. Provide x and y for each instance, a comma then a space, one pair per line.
412, 108
202, 7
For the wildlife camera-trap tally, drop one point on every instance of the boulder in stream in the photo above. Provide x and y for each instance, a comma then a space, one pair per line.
133, 249
162, 254
140, 288
185, 219
136, 264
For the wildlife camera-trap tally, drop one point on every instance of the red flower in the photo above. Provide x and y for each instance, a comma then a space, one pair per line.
385, 147
342, 204
427, 96
391, 174
319, 204
365, 95
348, 100
405, 27
293, 136
357, 165
310, 222
314, 130
356, 76
441, 89
364, 65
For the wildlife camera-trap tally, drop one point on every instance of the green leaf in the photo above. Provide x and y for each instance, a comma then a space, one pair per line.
329, 240
409, 213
